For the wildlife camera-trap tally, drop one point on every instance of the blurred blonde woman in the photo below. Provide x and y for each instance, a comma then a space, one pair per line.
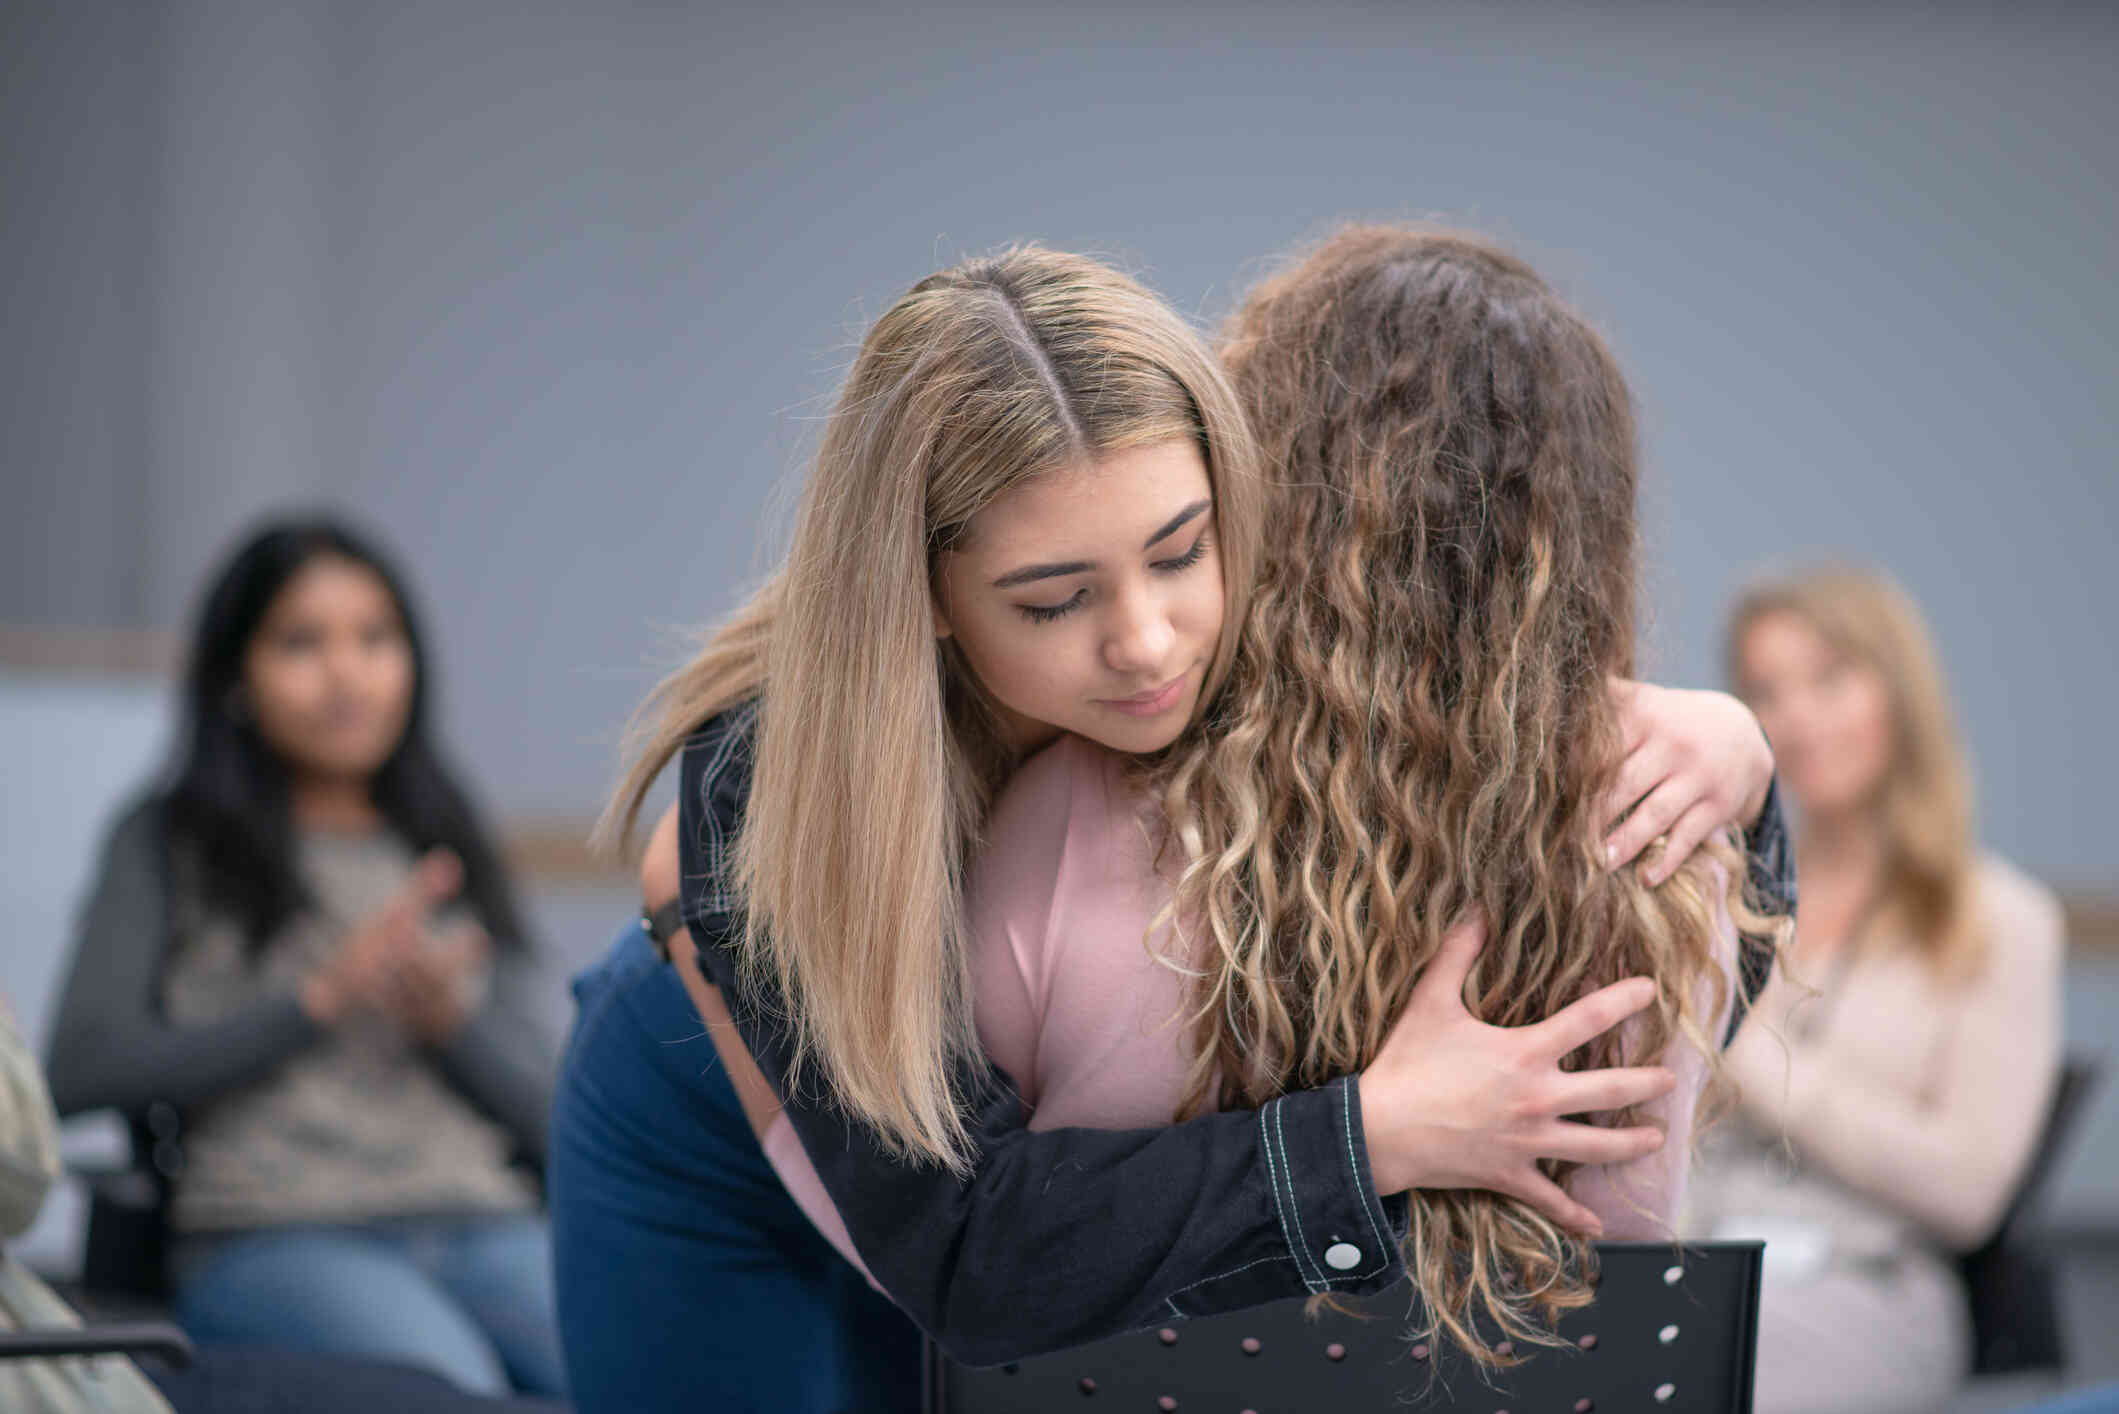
1909, 1058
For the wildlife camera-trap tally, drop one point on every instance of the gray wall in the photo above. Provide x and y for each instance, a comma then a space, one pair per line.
552, 295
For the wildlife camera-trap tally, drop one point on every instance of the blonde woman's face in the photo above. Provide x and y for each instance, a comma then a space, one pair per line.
1829, 715
1090, 600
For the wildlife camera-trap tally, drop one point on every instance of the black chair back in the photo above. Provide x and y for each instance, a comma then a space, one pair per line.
1671, 1328
127, 1246
2009, 1280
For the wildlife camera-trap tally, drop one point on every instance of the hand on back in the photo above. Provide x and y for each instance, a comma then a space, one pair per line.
1451, 1102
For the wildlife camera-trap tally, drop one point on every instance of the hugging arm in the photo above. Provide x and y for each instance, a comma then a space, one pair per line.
1057, 1237
1062, 1236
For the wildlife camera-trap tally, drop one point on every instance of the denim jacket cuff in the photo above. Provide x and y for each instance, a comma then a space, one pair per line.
1340, 1234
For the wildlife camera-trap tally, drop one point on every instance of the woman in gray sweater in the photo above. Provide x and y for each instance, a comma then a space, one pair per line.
305, 955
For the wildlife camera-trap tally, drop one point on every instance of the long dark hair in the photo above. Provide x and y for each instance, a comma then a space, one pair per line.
229, 805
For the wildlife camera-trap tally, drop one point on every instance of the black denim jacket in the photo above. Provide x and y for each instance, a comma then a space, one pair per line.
1068, 1235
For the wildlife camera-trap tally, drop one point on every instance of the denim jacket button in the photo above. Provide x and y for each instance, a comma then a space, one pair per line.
1342, 1256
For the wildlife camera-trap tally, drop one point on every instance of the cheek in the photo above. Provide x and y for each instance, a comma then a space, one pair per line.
392, 682
282, 690
1025, 666
1866, 734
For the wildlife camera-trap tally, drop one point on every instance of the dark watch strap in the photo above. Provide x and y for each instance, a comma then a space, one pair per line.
662, 924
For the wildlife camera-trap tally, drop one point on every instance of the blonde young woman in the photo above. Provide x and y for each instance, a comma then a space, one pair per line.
1416, 728
1913, 1051
1017, 434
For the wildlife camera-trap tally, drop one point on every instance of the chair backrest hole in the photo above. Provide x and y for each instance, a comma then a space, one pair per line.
1166, 1404
1420, 1352
1588, 1342
1667, 1334
1673, 1275
1584, 1405
1166, 1336
1251, 1345
1665, 1393
1088, 1386
1335, 1351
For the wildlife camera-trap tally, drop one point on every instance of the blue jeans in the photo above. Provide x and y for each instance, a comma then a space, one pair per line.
469, 1298
688, 1279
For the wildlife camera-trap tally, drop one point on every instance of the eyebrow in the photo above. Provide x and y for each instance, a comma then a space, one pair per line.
1030, 574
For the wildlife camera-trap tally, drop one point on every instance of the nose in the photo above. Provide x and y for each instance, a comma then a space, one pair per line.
1140, 635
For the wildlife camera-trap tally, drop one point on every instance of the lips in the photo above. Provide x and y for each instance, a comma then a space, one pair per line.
1154, 702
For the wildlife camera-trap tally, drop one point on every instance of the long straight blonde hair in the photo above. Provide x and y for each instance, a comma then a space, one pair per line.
1924, 808
877, 751
1418, 725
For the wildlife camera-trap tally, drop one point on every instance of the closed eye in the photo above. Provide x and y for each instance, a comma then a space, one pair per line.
1188, 559
1046, 613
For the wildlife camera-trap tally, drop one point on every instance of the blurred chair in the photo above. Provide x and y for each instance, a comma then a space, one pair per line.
2010, 1281
125, 1254
157, 1338
1671, 1327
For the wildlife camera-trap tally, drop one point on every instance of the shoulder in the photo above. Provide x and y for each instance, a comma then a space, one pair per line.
140, 833
713, 787
2021, 915
715, 764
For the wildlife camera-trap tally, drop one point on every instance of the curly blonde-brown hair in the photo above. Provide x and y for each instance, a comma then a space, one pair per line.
1418, 723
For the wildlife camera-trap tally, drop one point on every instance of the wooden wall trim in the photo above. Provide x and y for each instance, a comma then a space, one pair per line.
555, 853
129, 652
2092, 922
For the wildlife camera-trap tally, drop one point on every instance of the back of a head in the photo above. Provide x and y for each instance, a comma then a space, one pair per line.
1419, 721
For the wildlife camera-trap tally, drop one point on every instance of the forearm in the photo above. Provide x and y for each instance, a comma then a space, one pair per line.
127, 1062
1064, 1236
503, 1064
1946, 1171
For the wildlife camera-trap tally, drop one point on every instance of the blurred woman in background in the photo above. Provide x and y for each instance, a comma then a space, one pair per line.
1910, 1058
305, 950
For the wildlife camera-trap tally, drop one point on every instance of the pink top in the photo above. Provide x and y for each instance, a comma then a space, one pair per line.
1071, 1001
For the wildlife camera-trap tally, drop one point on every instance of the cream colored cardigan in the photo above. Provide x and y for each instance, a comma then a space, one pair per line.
29, 1165
1913, 1107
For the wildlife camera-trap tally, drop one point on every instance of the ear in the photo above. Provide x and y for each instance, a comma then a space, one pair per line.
937, 599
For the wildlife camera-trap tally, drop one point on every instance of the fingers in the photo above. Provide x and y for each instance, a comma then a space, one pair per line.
1577, 1143
437, 876
1655, 807
1588, 1091
1550, 1199
466, 949
1582, 1022
1644, 768
1443, 982
1686, 835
